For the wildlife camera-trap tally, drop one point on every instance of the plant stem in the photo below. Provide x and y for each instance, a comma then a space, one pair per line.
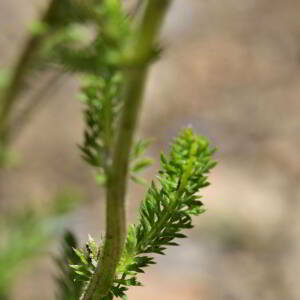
13, 90
21, 69
135, 79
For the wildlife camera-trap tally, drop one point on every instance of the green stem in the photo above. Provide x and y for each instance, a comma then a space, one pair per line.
135, 79
21, 69
13, 90
108, 120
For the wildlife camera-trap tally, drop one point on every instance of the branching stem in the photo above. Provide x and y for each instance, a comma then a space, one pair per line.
135, 78
21, 70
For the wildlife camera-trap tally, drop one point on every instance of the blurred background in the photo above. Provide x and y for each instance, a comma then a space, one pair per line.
230, 69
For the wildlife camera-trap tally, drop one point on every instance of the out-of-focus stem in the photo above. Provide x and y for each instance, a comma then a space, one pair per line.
21, 69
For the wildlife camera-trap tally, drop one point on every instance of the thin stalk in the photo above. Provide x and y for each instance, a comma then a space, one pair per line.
13, 90
17, 80
52, 18
135, 79
21, 69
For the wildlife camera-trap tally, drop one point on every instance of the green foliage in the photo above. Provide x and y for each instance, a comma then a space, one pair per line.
109, 27
68, 288
88, 259
24, 236
101, 97
138, 162
98, 39
166, 211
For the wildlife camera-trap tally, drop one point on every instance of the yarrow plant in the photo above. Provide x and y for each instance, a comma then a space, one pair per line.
114, 63
166, 211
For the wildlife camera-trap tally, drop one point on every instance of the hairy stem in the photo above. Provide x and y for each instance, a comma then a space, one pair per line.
135, 78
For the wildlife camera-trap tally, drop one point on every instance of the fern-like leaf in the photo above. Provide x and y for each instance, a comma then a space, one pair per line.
166, 211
